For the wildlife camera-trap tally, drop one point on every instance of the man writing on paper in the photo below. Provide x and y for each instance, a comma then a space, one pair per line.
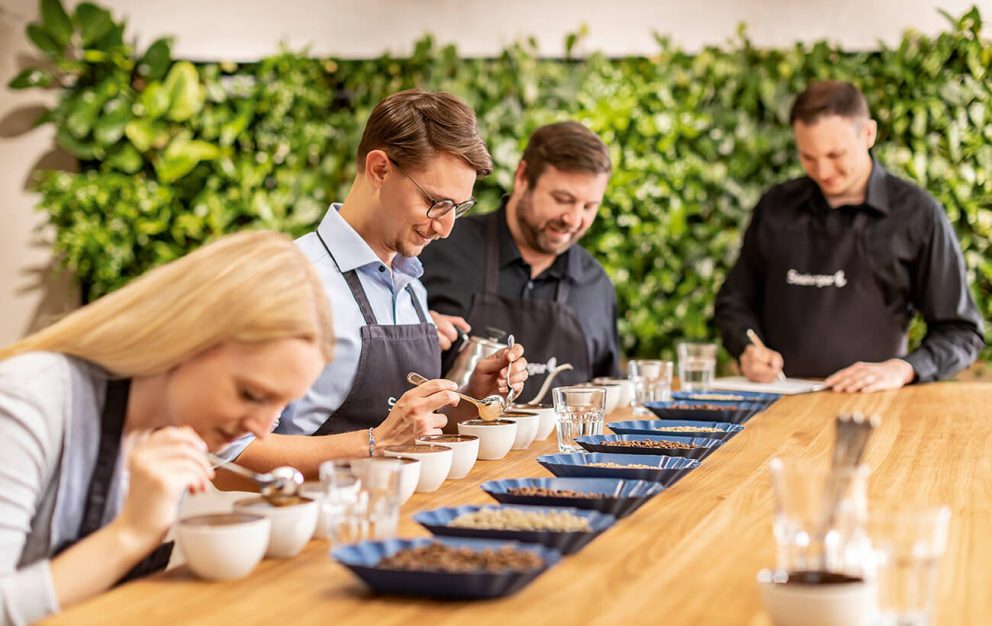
834, 264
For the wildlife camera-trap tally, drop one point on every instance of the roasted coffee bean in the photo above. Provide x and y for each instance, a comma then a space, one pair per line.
619, 466
439, 557
552, 493
664, 445
690, 429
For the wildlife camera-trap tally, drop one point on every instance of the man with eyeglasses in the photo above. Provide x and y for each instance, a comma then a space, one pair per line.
418, 160
520, 269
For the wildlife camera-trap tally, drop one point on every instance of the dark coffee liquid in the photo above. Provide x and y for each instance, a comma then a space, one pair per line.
820, 578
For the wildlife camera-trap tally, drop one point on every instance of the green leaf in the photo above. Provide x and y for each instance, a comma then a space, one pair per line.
32, 77
126, 159
155, 100
157, 59
146, 134
94, 23
84, 114
110, 127
40, 37
82, 150
56, 22
182, 155
186, 94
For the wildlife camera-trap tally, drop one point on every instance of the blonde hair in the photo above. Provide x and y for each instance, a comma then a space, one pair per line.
250, 287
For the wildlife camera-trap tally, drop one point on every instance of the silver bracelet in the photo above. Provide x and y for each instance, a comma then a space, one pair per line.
371, 443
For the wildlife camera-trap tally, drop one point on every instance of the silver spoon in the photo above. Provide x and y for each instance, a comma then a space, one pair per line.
489, 407
510, 394
276, 486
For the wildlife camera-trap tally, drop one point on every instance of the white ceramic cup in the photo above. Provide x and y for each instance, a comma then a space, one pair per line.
409, 473
626, 391
831, 604
435, 463
496, 437
527, 423
545, 417
465, 448
223, 546
315, 491
292, 525
614, 393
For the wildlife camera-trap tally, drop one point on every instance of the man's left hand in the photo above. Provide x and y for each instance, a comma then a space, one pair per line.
871, 377
489, 376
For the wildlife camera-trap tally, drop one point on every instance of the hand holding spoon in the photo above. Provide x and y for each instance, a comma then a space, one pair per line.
276, 486
489, 407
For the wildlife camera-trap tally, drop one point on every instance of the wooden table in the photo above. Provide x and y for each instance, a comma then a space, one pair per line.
689, 556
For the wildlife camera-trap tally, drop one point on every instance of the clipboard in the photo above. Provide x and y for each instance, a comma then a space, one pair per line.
787, 387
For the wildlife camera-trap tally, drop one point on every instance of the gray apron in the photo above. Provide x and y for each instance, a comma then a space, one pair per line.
389, 352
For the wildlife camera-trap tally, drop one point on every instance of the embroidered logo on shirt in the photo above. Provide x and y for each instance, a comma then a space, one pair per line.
542, 368
837, 279
391, 402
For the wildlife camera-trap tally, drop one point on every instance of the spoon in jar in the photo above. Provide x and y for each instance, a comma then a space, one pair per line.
489, 407
277, 486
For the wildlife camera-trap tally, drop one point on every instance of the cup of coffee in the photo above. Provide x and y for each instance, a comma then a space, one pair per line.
293, 523
527, 424
817, 598
435, 463
223, 546
546, 418
465, 448
496, 437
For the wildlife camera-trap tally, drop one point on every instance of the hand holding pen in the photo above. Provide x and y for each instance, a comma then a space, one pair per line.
760, 363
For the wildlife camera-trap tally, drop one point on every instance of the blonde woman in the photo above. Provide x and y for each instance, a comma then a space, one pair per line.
106, 416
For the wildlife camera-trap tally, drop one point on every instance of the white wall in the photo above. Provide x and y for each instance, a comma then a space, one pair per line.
247, 29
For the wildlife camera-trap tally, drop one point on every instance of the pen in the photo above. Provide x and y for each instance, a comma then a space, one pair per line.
757, 343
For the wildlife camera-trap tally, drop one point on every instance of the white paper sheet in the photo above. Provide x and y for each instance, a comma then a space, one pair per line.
787, 387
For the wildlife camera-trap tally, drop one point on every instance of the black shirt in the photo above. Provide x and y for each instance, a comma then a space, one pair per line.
917, 265
454, 271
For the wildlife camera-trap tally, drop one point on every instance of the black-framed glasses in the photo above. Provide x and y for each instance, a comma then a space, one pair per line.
438, 208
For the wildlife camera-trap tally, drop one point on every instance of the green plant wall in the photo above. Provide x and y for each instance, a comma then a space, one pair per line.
175, 154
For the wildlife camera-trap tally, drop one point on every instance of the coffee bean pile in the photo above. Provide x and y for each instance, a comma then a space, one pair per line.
690, 429
645, 443
699, 407
718, 396
439, 557
552, 493
621, 466
517, 519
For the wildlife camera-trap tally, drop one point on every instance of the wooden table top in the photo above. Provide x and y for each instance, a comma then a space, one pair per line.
689, 556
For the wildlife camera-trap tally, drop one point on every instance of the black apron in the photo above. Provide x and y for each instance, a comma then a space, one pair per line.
547, 329
111, 430
389, 352
822, 329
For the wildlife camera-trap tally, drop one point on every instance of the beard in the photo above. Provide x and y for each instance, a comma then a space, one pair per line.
536, 235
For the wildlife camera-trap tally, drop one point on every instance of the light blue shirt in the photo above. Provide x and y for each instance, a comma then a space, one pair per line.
386, 291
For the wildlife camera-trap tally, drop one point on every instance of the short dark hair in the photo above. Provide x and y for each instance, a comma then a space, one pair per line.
568, 146
829, 97
413, 126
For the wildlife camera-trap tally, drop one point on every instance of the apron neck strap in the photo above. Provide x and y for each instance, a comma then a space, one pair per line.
111, 429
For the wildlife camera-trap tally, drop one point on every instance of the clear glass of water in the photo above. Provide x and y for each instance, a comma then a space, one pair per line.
361, 499
697, 365
652, 382
579, 411
908, 544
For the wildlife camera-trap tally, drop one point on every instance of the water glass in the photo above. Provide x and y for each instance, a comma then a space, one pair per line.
908, 545
357, 507
697, 365
579, 411
803, 491
652, 382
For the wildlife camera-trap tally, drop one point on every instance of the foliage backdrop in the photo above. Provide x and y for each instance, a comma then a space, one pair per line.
175, 154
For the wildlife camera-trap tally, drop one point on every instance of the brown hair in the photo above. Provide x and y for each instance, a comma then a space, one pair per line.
567, 146
413, 126
829, 97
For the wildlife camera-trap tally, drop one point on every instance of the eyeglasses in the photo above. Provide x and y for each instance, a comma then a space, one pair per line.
439, 208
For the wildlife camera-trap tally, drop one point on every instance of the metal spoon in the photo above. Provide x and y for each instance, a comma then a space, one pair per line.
489, 407
510, 393
276, 486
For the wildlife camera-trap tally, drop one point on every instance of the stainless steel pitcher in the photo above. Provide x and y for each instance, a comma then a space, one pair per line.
472, 350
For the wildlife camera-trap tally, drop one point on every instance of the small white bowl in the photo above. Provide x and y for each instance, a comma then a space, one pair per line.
435, 463
849, 603
626, 396
223, 546
614, 393
409, 473
292, 525
496, 437
527, 424
545, 417
466, 451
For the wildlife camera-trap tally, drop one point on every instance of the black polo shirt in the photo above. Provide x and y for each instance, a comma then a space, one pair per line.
916, 262
454, 271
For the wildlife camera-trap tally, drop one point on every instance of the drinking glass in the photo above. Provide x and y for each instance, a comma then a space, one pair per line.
579, 412
803, 490
361, 499
697, 365
908, 544
652, 382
